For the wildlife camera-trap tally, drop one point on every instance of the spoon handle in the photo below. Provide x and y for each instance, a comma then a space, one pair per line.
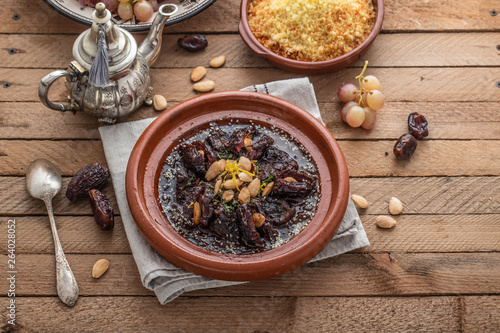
67, 288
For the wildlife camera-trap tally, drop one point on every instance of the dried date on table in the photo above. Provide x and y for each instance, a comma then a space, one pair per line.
103, 212
417, 125
92, 176
193, 43
405, 147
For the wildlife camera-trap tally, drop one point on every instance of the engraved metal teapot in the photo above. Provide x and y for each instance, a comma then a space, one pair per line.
124, 83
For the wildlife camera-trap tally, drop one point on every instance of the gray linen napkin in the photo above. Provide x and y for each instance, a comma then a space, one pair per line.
167, 280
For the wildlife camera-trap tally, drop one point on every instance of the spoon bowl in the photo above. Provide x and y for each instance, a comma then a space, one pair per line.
43, 181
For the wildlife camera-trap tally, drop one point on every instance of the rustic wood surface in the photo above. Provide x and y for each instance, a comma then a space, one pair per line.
437, 271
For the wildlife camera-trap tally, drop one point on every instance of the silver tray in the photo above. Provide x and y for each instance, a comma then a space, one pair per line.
83, 14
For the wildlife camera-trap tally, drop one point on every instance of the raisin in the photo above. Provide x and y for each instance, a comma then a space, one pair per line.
92, 176
103, 212
193, 43
417, 125
405, 147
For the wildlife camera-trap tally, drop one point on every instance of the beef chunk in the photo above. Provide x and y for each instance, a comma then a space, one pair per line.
210, 155
224, 225
208, 152
274, 161
218, 140
184, 176
238, 138
299, 189
207, 208
277, 211
259, 147
249, 235
187, 213
193, 160
267, 231
194, 195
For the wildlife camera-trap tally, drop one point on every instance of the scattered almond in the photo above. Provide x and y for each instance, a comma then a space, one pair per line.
213, 171
222, 165
204, 86
227, 196
244, 163
217, 186
218, 61
244, 196
201, 152
245, 177
231, 185
159, 103
258, 219
267, 189
395, 206
254, 187
359, 201
198, 73
100, 267
196, 213
290, 180
385, 222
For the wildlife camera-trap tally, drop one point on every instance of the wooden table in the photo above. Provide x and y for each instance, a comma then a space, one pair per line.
437, 270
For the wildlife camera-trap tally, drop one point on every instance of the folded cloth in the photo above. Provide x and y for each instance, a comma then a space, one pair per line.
167, 280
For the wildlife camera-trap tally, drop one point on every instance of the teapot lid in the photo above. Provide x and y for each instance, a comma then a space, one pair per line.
121, 46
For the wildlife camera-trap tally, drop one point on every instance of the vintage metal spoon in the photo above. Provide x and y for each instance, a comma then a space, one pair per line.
43, 181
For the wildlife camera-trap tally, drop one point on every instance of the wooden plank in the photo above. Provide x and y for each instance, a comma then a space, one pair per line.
121, 278
78, 234
400, 84
15, 200
71, 156
32, 120
439, 15
482, 314
262, 314
68, 156
428, 195
37, 17
369, 159
436, 314
434, 233
462, 121
35, 121
414, 233
223, 16
463, 49
393, 274
420, 195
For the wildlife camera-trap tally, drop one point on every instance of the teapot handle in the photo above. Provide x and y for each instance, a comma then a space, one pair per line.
46, 83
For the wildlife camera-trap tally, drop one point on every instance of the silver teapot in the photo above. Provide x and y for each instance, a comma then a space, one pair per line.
124, 84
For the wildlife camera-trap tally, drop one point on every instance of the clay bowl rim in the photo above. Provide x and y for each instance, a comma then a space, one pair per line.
305, 67
150, 151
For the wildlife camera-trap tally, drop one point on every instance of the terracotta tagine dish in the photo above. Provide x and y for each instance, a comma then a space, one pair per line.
174, 128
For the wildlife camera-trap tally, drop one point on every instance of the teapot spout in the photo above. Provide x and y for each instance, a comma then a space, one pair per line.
151, 45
